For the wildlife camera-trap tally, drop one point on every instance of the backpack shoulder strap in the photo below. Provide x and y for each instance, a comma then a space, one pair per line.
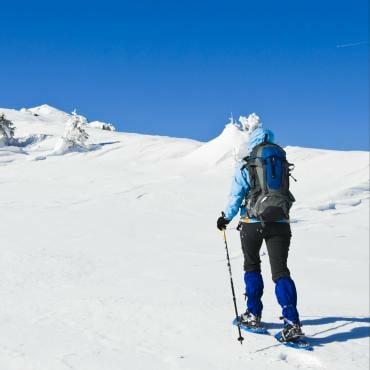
250, 166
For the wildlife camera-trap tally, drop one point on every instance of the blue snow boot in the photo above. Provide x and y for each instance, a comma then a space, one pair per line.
254, 291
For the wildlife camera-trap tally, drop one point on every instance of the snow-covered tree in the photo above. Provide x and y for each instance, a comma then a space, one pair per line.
7, 130
75, 136
232, 120
251, 122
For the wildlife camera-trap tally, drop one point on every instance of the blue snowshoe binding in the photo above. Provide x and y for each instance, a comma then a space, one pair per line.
292, 336
250, 323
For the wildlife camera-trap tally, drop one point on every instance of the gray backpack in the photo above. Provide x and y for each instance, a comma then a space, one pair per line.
269, 198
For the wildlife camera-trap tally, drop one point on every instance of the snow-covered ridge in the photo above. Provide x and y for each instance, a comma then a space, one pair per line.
48, 124
345, 182
41, 127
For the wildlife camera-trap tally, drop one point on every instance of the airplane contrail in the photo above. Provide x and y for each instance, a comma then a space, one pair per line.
352, 44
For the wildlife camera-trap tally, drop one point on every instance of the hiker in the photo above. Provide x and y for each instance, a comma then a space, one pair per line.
260, 190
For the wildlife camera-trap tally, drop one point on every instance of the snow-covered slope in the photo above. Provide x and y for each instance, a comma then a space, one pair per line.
230, 144
110, 259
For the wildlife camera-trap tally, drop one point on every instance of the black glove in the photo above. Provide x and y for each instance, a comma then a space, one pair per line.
222, 222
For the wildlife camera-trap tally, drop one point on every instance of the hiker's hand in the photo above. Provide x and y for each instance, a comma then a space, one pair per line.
222, 222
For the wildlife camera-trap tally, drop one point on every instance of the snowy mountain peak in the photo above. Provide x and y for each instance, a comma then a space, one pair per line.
45, 109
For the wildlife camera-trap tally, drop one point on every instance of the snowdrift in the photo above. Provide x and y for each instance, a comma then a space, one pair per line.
111, 259
231, 144
102, 125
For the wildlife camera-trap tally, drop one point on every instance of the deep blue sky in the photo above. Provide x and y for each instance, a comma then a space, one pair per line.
179, 68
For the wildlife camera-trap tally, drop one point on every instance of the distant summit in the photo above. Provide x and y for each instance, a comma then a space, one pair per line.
47, 111
102, 125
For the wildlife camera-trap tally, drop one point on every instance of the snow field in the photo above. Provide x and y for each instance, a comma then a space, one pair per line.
111, 258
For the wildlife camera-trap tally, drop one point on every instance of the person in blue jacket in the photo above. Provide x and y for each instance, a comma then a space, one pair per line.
277, 236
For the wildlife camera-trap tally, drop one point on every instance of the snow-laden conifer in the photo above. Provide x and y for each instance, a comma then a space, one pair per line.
7, 130
75, 135
251, 122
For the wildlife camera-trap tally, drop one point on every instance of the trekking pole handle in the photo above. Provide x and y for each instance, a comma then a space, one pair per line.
224, 230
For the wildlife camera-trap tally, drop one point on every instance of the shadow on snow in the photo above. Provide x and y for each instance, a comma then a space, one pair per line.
343, 336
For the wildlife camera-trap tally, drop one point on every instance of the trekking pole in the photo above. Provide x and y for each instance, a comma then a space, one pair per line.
240, 339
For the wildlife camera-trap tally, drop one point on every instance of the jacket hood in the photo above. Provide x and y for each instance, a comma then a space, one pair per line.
258, 136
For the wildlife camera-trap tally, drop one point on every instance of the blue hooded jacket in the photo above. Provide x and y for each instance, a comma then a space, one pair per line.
240, 186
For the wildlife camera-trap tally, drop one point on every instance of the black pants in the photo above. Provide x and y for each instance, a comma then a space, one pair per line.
277, 237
